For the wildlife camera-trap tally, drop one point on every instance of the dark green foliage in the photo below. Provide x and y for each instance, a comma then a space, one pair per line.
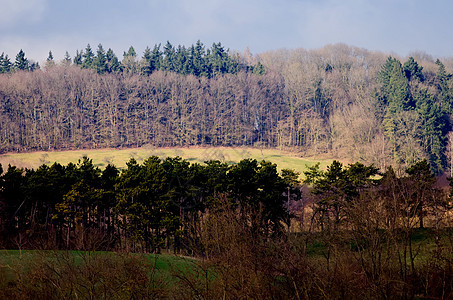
5, 63
21, 62
423, 193
412, 70
259, 69
434, 128
258, 190
113, 64
338, 187
445, 98
131, 52
100, 61
78, 58
411, 113
87, 58
50, 57
156, 204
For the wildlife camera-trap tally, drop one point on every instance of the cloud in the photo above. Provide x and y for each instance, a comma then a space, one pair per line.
15, 11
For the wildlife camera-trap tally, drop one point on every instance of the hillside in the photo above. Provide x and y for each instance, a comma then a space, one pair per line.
119, 157
339, 101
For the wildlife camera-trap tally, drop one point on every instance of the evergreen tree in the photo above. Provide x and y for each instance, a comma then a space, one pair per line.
412, 70
218, 59
88, 56
435, 128
147, 68
259, 69
34, 66
113, 64
129, 63
78, 58
49, 61
21, 62
66, 59
130, 52
199, 66
5, 63
397, 99
100, 61
156, 58
169, 53
444, 95
181, 60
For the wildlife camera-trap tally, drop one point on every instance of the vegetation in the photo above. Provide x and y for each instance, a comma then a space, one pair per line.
363, 230
254, 232
340, 101
119, 157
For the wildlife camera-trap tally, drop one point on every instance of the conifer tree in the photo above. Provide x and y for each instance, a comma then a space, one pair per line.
78, 58
100, 61
169, 53
5, 63
444, 95
21, 62
88, 56
67, 59
129, 64
113, 64
49, 61
412, 70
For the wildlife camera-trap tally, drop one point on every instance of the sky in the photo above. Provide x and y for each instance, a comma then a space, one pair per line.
394, 26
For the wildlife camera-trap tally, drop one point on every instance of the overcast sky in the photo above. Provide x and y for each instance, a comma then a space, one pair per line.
398, 26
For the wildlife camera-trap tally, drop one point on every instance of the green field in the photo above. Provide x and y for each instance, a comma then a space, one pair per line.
96, 275
119, 157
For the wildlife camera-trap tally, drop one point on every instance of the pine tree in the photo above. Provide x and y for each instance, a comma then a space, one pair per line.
113, 64
5, 63
181, 60
198, 59
100, 61
129, 64
78, 58
67, 59
49, 61
21, 62
168, 63
412, 70
218, 59
88, 56
444, 95
259, 69
435, 128
146, 66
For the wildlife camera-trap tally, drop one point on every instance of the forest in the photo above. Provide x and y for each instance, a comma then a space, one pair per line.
376, 225
338, 101
343, 232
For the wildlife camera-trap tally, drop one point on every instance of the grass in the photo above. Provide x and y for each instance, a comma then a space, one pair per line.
119, 157
162, 267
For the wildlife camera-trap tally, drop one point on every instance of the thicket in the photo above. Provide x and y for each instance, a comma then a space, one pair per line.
255, 233
341, 101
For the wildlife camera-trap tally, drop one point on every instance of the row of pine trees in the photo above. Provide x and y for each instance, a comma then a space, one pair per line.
195, 60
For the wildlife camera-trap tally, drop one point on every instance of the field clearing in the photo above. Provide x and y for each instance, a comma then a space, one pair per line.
119, 157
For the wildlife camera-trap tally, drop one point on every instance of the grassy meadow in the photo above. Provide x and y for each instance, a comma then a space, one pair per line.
119, 157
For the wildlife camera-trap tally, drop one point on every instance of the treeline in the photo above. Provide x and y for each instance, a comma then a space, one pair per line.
194, 60
342, 101
146, 207
344, 233
161, 203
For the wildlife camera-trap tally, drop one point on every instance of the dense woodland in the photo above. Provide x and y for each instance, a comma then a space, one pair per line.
342, 233
342, 101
